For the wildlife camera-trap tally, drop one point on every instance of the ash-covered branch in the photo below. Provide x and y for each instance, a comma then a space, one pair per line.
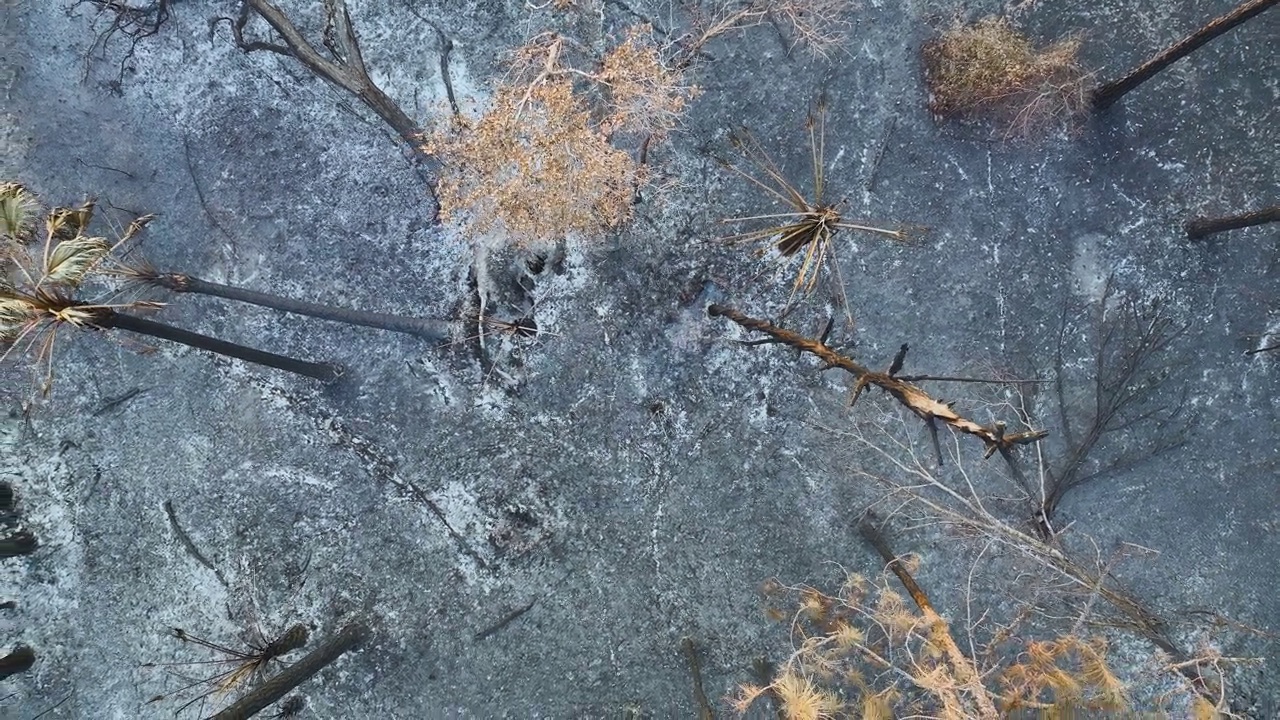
349, 638
341, 63
910, 396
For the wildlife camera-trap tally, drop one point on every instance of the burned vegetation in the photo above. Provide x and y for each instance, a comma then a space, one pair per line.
568, 148
990, 70
1113, 370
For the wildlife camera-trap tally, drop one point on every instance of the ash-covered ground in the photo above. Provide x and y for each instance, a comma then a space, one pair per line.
629, 476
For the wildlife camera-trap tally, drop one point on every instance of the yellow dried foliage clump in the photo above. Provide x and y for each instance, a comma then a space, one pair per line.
534, 167
991, 67
867, 652
546, 158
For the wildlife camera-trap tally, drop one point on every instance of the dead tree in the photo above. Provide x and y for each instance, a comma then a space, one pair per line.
342, 63
1105, 96
1127, 375
1201, 227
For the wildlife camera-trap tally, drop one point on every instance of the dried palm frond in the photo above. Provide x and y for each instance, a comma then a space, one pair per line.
18, 208
40, 292
248, 667
809, 229
72, 259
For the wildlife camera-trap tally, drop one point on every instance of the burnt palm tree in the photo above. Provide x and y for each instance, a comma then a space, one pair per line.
42, 290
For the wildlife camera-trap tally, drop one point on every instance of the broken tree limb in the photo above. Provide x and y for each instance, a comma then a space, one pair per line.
349, 638
346, 70
1201, 227
910, 396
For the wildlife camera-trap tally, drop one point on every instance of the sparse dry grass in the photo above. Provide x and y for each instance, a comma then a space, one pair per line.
991, 69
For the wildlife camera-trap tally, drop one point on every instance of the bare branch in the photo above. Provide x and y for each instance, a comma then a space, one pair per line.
1127, 390
910, 396
347, 71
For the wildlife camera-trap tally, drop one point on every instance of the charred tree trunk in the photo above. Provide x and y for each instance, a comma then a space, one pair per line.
1106, 96
422, 327
1202, 227
112, 320
278, 686
22, 542
20, 660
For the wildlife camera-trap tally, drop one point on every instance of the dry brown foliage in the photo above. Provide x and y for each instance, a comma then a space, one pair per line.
544, 160
535, 167
866, 652
646, 94
991, 68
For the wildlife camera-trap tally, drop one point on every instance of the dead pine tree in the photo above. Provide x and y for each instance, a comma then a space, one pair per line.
919, 492
1106, 95
1201, 227
864, 650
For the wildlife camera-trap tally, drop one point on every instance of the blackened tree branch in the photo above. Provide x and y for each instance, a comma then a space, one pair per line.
1201, 227
346, 69
177, 282
1105, 96
349, 638
108, 319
